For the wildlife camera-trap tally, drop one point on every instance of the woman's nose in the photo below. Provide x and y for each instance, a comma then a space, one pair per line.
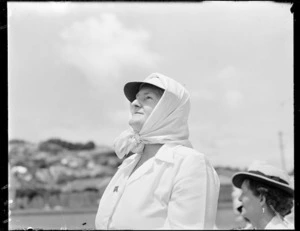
240, 198
135, 103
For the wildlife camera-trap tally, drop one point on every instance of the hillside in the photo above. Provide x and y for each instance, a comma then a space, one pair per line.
59, 174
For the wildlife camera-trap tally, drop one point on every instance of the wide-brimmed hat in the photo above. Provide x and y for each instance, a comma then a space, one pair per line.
132, 88
266, 174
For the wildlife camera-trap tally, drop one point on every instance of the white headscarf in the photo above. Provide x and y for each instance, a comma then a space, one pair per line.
168, 122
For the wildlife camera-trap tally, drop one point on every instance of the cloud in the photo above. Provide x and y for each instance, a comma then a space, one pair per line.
230, 80
43, 9
202, 94
120, 117
57, 7
233, 98
103, 48
229, 77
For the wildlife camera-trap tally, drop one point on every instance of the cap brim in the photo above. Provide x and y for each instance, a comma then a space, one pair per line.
238, 179
131, 89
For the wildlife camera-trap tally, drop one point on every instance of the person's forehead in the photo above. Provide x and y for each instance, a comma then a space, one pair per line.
148, 89
245, 185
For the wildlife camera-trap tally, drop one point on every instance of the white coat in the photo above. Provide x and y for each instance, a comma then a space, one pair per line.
176, 189
275, 223
278, 223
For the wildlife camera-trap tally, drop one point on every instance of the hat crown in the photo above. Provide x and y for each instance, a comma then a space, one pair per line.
154, 80
269, 171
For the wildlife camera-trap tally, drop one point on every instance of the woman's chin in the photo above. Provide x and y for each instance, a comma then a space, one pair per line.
245, 216
136, 125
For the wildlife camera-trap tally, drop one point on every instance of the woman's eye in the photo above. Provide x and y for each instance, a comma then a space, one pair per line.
148, 97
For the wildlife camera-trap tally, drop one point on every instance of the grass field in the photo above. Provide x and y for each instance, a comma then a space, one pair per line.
85, 219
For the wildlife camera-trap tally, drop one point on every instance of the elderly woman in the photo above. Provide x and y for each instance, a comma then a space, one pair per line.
266, 196
163, 183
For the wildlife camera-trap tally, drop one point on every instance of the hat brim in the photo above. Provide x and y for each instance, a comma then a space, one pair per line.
131, 89
238, 179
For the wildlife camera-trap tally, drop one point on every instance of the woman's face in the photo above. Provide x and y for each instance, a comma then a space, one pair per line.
252, 209
142, 106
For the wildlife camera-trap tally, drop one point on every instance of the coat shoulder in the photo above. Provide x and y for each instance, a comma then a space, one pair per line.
184, 152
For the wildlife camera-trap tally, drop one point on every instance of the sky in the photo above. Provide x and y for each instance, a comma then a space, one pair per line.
68, 63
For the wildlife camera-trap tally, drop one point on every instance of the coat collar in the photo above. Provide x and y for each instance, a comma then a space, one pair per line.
277, 222
166, 153
129, 161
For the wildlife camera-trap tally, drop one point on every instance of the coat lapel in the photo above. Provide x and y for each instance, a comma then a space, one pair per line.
165, 154
142, 170
129, 162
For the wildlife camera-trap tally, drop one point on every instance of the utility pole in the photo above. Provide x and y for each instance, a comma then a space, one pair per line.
281, 147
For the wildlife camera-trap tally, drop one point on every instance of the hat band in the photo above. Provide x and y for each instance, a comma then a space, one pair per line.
271, 177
